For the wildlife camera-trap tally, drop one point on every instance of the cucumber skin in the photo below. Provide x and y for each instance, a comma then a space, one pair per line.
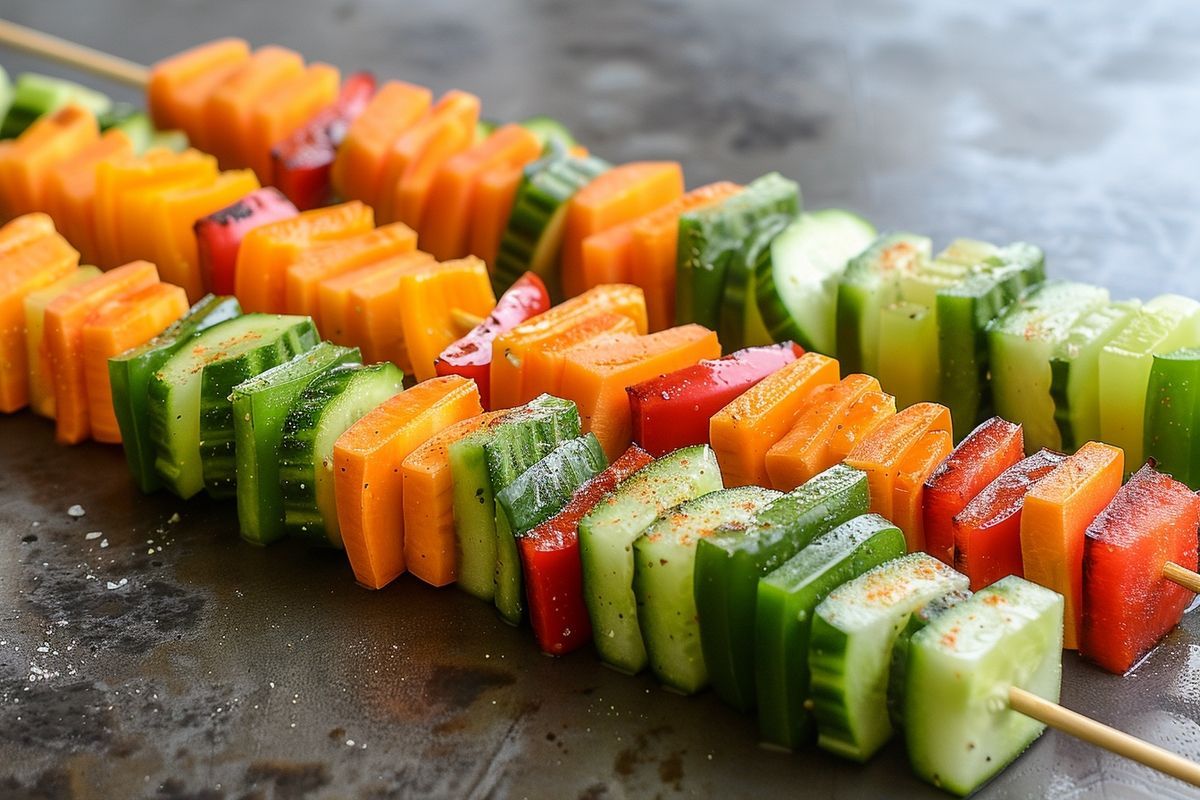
898, 673
739, 312
1172, 420
730, 564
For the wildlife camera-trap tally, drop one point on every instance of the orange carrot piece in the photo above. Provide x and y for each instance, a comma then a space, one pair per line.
542, 372
880, 452
185, 75
913, 469
268, 251
368, 483
338, 309
229, 109
804, 451
510, 349
451, 196
596, 373
50, 140
63, 342
124, 322
357, 171
376, 323
71, 190
41, 383
619, 195
336, 258
495, 193
742, 432
1054, 522
24, 268
429, 297
412, 190
430, 549
24, 230
867, 414
285, 108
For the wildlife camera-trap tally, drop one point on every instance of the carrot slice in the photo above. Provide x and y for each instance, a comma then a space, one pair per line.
63, 343
742, 432
654, 248
284, 108
879, 453
429, 297
176, 80
41, 383
451, 196
336, 258
913, 469
25, 268
338, 309
373, 310
543, 368
596, 373
51, 139
430, 549
368, 483
127, 321
412, 190
495, 193
1054, 522
510, 349
619, 195
230, 108
859, 421
805, 451
24, 230
268, 251
357, 171
71, 190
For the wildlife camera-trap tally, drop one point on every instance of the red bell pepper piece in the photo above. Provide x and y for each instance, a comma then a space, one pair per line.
1128, 604
978, 460
673, 410
987, 532
471, 356
220, 234
553, 570
301, 163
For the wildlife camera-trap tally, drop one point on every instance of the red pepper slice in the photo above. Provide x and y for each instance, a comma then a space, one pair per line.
220, 234
672, 410
300, 164
553, 570
471, 356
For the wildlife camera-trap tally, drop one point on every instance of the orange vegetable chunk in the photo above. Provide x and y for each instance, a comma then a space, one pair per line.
41, 383
230, 108
71, 190
339, 257
357, 171
880, 452
176, 81
867, 414
26, 165
543, 368
495, 193
429, 297
350, 302
912, 471
285, 108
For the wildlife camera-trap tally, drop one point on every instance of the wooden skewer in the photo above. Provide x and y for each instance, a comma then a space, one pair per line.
1182, 576
1101, 735
73, 55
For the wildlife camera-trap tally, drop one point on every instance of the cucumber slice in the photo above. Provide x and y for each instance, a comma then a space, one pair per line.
851, 646
324, 410
871, 283
189, 393
1173, 415
711, 240
730, 563
968, 252
787, 598
908, 363
132, 122
606, 537
550, 132
487, 461
960, 730
664, 579
740, 323
898, 672
1020, 346
533, 497
35, 95
533, 237
797, 279
260, 406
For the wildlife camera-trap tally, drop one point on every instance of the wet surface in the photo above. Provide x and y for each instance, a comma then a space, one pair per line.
164, 658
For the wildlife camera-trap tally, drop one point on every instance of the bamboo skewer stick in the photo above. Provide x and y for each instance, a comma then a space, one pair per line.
1182, 576
73, 55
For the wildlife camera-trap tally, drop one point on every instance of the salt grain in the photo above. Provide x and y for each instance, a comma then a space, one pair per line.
93, 535
76, 511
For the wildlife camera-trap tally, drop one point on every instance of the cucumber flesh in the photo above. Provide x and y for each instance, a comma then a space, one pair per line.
664, 579
898, 672
550, 132
35, 95
960, 730
908, 364
851, 647
324, 410
740, 322
606, 537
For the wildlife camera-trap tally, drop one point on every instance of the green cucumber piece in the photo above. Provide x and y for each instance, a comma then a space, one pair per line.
550, 132
1075, 373
131, 372
968, 252
533, 237
191, 419
898, 671
488, 460
6, 92
1173, 415
133, 122
606, 537
740, 323
730, 563
533, 497
175, 141
1020, 346
329, 405
796, 280
960, 730
851, 647
787, 598
260, 406
35, 95
664, 559
711, 240
1166, 323
869, 284
908, 363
